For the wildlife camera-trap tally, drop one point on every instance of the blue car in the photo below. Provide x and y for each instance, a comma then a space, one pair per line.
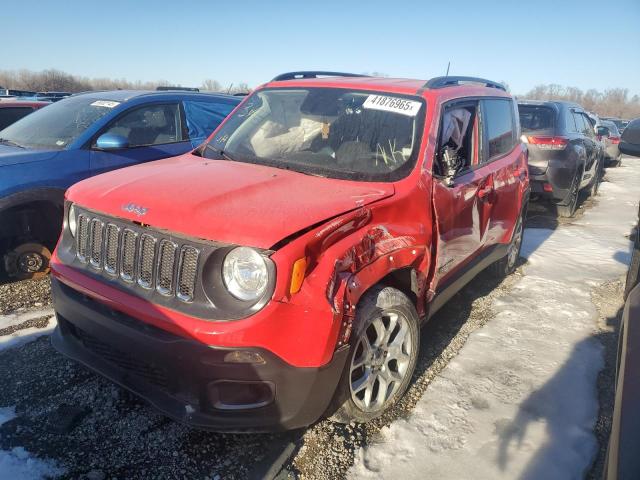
44, 153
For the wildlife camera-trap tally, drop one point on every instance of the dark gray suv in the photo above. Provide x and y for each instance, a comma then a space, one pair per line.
564, 153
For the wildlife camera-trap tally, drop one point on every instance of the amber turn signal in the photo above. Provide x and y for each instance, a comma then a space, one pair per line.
297, 274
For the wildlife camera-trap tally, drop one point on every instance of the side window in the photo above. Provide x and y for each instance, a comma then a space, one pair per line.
204, 117
10, 115
570, 122
577, 117
458, 142
589, 131
149, 125
499, 127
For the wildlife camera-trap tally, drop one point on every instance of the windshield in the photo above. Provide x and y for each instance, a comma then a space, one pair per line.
57, 125
536, 118
325, 131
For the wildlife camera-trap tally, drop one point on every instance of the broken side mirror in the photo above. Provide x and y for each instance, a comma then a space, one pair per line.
630, 139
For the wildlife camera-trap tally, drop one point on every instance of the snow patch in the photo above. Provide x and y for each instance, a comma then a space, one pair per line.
20, 337
18, 464
520, 399
20, 317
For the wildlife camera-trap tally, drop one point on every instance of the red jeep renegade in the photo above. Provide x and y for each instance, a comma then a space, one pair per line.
281, 271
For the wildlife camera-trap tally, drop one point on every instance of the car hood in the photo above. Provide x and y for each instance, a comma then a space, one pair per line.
10, 155
230, 202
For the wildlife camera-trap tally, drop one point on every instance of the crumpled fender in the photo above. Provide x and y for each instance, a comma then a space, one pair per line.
376, 255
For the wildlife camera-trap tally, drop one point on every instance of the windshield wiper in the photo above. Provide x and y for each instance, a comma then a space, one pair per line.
6, 141
222, 153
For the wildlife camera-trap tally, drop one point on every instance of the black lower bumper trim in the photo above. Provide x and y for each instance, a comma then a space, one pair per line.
176, 374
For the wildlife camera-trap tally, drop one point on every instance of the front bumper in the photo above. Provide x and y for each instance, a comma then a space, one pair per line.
187, 380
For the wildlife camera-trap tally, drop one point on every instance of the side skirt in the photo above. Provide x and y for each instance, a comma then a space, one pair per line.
452, 287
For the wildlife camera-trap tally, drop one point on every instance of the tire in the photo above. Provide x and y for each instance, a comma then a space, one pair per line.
384, 351
28, 261
569, 210
597, 179
507, 264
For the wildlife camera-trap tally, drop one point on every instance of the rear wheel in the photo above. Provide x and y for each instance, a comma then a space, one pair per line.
569, 210
597, 179
507, 265
382, 359
28, 261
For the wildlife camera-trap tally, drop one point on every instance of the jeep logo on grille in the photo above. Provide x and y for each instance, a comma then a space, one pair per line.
133, 208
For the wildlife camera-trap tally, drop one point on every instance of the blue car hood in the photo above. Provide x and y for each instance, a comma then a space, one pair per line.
15, 156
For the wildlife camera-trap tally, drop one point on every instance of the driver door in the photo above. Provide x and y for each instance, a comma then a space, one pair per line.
462, 205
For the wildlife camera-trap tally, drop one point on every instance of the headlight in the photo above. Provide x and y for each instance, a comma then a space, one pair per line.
245, 273
71, 220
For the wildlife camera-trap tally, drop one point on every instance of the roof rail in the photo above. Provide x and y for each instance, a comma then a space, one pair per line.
313, 74
166, 88
441, 82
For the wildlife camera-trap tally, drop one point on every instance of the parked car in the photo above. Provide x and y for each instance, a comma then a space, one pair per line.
620, 123
44, 153
10, 92
611, 139
281, 271
564, 154
52, 96
622, 455
12, 111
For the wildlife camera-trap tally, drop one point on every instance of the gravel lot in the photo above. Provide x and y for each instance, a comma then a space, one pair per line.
96, 431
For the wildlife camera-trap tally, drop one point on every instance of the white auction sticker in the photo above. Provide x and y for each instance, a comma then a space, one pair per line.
105, 103
402, 106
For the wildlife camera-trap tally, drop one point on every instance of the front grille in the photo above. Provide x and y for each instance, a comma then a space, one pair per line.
147, 371
82, 239
96, 243
166, 267
129, 242
111, 247
137, 256
187, 273
146, 261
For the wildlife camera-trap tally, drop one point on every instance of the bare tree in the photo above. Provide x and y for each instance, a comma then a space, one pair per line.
211, 85
613, 102
56, 80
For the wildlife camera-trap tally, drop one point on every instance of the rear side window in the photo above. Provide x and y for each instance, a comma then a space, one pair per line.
583, 124
534, 118
149, 125
204, 117
570, 122
499, 127
10, 115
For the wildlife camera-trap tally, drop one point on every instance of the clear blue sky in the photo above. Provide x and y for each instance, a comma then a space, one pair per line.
587, 44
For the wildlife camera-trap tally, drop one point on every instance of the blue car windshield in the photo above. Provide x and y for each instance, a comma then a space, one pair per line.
57, 125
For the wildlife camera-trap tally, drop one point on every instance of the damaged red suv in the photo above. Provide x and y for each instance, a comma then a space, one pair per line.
281, 271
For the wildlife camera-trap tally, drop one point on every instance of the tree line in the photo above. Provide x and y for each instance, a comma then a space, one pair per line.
613, 102
53, 80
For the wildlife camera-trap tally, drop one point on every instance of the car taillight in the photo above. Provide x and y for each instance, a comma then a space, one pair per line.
548, 143
615, 140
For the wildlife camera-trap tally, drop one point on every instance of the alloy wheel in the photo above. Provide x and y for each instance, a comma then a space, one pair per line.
381, 361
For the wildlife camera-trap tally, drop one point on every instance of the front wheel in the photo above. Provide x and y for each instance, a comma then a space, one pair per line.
28, 261
382, 359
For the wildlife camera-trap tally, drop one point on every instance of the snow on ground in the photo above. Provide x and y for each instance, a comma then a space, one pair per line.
520, 399
17, 318
18, 464
20, 337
